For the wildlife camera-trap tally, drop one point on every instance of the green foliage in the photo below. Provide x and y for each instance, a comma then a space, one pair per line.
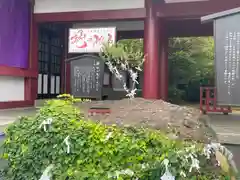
128, 52
191, 61
97, 151
175, 95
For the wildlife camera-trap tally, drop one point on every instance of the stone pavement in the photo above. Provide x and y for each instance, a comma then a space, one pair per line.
10, 115
227, 127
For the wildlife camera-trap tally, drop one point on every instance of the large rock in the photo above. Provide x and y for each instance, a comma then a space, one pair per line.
179, 121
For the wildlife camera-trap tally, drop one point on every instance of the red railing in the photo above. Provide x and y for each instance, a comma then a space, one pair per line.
208, 101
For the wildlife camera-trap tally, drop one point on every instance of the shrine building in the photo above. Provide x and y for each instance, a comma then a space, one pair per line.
34, 40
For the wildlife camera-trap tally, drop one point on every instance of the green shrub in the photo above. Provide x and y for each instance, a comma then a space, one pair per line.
97, 151
175, 95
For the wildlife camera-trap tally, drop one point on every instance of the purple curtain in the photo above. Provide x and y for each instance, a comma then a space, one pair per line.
14, 33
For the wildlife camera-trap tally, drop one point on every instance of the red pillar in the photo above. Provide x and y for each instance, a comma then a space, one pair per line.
151, 48
34, 59
32, 83
163, 62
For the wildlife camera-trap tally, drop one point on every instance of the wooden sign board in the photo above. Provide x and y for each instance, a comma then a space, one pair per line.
90, 40
227, 56
87, 73
227, 62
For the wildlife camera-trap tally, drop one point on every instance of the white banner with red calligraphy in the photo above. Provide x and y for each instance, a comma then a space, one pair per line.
90, 40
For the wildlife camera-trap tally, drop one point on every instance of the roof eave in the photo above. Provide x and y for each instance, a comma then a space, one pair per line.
211, 17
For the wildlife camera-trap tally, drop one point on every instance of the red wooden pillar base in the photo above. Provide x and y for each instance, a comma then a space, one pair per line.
151, 49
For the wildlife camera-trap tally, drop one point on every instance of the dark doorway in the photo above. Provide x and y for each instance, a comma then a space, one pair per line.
50, 56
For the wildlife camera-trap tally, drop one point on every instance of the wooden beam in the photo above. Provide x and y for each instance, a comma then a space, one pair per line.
194, 10
126, 14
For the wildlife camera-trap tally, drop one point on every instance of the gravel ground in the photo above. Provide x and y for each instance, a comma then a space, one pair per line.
186, 122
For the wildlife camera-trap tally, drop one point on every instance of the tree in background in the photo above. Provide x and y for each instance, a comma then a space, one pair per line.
128, 56
190, 60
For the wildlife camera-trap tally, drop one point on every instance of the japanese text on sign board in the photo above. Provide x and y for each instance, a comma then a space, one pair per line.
90, 40
231, 59
87, 78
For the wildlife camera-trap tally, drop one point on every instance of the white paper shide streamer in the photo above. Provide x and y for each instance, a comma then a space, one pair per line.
46, 174
66, 141
134, 75
46, 123
167, 175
